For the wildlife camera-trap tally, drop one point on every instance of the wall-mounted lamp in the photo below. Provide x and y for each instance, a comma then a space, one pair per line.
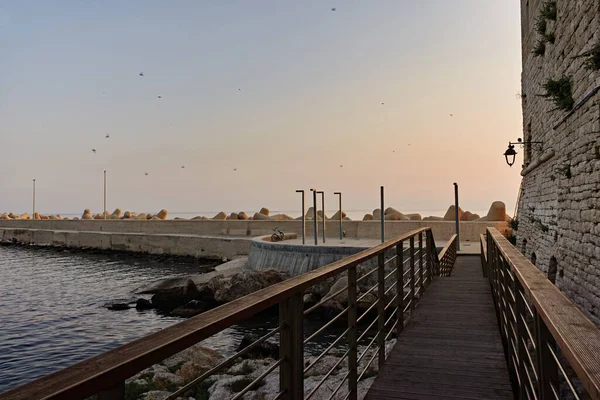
511, 153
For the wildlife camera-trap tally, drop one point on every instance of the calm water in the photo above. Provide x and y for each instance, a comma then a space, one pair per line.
52, 308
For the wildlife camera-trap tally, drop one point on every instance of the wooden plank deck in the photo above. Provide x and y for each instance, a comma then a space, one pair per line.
451, 346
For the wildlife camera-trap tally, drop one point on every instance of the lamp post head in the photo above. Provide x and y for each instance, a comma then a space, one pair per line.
300, 191
337, 193
510, 155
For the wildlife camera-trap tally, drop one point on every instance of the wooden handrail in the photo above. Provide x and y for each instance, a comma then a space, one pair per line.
447, 247
576, 336
111, 368
447, 256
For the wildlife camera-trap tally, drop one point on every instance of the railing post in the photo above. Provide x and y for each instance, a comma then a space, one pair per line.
421, 283
381, 307
400, 286
428, 260
117, 392
547, 368
509, 319
412, 272
291, 347
521, 335
352, 334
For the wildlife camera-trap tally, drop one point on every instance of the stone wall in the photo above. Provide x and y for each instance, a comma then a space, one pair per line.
559, 207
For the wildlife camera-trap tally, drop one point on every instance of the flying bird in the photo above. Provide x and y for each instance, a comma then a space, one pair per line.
160, 97
341, 165
107, 136
239, 89
333, 9
141, 74
452, 115
183, 166
94, 151
382, 103
235, 169
145, 173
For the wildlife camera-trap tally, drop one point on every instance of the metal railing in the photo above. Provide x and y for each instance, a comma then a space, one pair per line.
397, 272
552, 349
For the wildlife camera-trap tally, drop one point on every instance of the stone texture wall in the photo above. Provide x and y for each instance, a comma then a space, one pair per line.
559, 207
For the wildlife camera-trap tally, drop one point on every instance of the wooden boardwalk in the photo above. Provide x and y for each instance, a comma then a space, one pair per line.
451, 346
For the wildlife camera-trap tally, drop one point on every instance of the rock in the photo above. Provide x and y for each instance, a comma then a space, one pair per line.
310, 214
433, 218
324, 365
233, 215
143, 304
13, 216
366, 302
118, 306
203, 358
65, 218
336, 216
155, 218
141, 216
414, 217
282, 217
127, 215
263, 350
497, 212
55, 217
162, 214
264, 211
166, 380
391, 210
114, 217
309, 300
196, 218
149, 216
241, 284
179, 219
116, 213
36, 215
341, 298
192, 308
263, 217
465, 216
242, 215
156, 395
450, 214
25, 216
170, 299
96, 216
330, 309
368, 217
320, 214
507, 218
87, 214
377, 214
75, 219
45, 217
396, 216
220, 216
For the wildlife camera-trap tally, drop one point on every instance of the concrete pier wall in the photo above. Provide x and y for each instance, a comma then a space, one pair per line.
183, 245
442, 230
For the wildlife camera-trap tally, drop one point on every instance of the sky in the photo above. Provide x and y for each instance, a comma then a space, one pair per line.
258, 99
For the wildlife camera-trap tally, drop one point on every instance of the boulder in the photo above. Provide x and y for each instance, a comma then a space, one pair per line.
179, 219
116, 213
75, 218
141, 216
143, 304
465, 216
55, 217
190, 309
320, 214
166, 380
96, 216
65, 218
87, 214
25, 216
200, 358
45, 217
377, 214
310, 214
149, 216
127, 215
241, 284
472, 217
330, 309
172, 298
13, 216
155, 218
233, 215
414, 217
433, 218
112, 216
264, 211
368, 217
450, 214
36, 215
260, 216
220, 216
341, 298
366, 302
336, 216
118, 306
264, 350
196, 218
310, 299
396, 216
282, 217
497, 212
162, 214
242, 215
391, 210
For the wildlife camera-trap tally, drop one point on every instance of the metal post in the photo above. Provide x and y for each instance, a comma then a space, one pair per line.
341, 216
352, 335
315, 231
456, 216
104, 194
400, 286
33, 215
381, 308
382, 219
303, 218
323, 208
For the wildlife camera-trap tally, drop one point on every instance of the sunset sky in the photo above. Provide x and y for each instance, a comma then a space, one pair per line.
412, 95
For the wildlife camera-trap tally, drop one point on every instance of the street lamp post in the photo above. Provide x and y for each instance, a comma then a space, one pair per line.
341, 216
316, 233
322, 193
33, 215
303, 218
382, 217
104, 194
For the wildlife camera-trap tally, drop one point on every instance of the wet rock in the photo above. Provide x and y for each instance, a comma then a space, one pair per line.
170, 299
192, 308
166, 380
118, 306
310, 299
241, 284
341, 298
156, 395
143, 304
263, 350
